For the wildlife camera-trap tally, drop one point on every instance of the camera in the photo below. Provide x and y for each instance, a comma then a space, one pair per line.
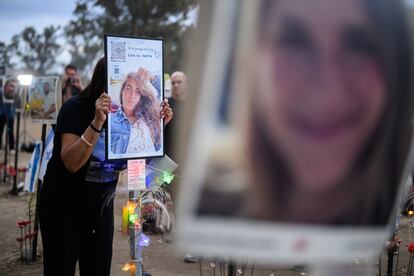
70, 80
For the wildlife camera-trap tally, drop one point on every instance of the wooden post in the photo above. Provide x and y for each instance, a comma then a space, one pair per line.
14, 191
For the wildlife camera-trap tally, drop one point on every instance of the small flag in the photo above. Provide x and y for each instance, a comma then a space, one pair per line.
33, 169
47, 154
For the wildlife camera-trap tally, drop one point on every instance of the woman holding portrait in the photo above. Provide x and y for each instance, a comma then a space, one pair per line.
76, 209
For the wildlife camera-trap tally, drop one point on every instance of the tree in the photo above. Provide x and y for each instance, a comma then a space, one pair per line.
36, 52
148, 18
84, 43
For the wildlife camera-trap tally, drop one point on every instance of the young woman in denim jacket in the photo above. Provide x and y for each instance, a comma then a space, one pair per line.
136, 126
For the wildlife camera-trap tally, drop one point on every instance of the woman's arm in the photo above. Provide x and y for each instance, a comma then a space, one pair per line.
166, 112
76, 151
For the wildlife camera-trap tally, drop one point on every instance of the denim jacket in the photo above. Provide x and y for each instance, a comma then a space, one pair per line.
120, 132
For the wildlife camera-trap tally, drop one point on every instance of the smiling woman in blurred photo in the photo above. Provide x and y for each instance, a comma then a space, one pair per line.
330, 104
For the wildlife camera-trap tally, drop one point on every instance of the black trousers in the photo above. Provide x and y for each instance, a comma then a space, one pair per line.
9, 130
85, 235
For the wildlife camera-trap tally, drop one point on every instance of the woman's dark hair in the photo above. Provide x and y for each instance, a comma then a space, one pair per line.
97, 84
71, 66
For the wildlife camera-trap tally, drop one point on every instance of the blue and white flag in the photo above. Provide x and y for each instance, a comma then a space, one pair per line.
47, 154
30, 180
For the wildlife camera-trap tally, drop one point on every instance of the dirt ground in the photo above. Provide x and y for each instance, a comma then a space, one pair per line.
160, 258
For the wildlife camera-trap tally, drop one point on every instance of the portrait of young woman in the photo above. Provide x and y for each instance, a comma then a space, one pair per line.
317, 133
136, 124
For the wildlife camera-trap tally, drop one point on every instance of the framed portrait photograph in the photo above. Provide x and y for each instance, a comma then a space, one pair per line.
42, 99
289, 155
136, 87
9, 96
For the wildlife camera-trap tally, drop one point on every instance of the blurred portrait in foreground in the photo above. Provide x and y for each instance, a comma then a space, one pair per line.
302, 129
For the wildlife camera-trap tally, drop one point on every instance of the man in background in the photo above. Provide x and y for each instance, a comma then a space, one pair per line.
179, 93
8, 110
178, 96
71, 84
179, 85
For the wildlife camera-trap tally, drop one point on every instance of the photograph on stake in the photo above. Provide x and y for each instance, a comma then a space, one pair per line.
43, 99
297, 147
10, 95
135, 85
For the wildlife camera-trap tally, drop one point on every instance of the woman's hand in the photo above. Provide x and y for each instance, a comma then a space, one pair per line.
166, 112
102, 108
143, 74
76, 150
145, 79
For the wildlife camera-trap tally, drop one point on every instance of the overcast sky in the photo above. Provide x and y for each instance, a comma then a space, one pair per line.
15, 15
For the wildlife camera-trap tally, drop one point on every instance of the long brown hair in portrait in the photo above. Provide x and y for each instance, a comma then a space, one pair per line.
146, 109
376, 175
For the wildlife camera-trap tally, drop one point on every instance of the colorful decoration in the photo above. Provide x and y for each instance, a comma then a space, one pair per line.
144, 241
25, 239
137, 224
131, 205
158, 172
129, 217
22, 223
125, 215
133, 218
167, 177
129, 267
410, 247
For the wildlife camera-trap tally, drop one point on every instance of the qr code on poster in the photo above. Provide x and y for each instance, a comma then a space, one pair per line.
118, 51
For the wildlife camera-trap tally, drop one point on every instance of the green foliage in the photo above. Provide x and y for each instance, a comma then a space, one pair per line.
36, 53
81, 35
148, 18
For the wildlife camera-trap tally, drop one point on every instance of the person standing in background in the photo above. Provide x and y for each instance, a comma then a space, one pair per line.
8, 110
179, 93
71, 84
